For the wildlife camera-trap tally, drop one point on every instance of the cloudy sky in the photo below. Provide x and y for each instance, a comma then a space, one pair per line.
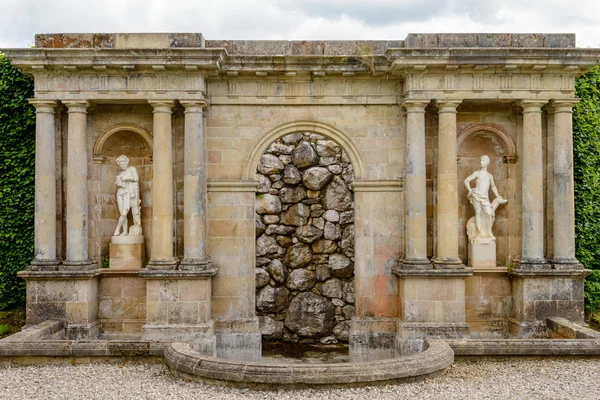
20, 20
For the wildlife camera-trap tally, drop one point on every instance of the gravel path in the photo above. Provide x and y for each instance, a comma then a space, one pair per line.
505, 379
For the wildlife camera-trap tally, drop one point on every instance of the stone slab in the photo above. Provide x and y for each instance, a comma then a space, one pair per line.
482, 255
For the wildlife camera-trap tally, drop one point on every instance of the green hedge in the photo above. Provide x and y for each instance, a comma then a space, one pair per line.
17, 174
586, 144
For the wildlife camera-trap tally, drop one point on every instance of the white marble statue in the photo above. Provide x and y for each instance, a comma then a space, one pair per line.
128, 198
479, 228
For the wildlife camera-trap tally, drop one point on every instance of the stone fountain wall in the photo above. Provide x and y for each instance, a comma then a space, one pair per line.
305, 240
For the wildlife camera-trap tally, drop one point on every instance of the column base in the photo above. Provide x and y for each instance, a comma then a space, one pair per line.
372, 339
447, 263
44, 265
163, 264
239, 339
195, 264
416, 264
80, 265
534, 264
566, 263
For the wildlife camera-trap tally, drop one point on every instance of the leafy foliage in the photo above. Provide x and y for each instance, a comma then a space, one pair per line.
586, 146
17, 175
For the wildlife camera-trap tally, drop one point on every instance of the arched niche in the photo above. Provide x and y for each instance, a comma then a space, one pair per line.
320, 128
127, 139
478, 139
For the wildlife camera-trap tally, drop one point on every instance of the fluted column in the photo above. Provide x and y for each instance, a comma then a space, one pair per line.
45, 186
447, 188
194, 188
532, 255
77, 256
162, 188
563, 190
416, 202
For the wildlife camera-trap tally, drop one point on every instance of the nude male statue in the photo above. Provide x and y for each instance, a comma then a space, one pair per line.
485, 212
128, 198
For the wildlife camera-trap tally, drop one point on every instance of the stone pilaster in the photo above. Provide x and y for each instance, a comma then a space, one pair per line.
194, 189
532, 255
447, 189
563, 190
415, 256
45, 186
77, 256
162, 189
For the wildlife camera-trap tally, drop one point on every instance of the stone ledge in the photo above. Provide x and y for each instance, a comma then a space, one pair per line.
363, 185
178, 274
36, 332
559, 328
188, 364
237, 185
525, 347
59, 275
520, 273
432, 273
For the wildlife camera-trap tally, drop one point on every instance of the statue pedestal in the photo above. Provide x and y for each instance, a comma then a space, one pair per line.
126, 252
482, 254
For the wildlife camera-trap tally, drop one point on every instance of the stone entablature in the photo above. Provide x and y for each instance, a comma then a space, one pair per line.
198, 114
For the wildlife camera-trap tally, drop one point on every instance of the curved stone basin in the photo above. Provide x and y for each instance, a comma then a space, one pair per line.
189, 364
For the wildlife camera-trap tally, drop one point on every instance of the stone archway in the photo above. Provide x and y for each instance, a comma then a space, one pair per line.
305, 239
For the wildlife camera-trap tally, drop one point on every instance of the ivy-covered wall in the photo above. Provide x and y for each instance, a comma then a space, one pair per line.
586, 144
17, 164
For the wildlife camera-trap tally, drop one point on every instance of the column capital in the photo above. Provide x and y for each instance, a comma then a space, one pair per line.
447, 106
563, 105
162, 106
194, 106
44, 106
76, 106
532, 106
414, 105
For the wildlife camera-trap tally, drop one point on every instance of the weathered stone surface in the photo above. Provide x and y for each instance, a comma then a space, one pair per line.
267, 204
308, 233
347, 217
320, 259
296, 215
317, 222
335, 169
332, 231
269, 164
293, 194
260, 261
266, 245
291, 175
348, 292
277, 271
341, 266
327, 161
301, 279
331, 288
337, 196
261, 277
324, 246
328, 340
292, 138
331, 216
310, 315
264, 184
349, 312
327, 148
270, 219
279, 230
284, 241
270, 328
297, 256
342, 330
272, 299
260, 227
348, 237
316, 178
304, 156
280, 148
323, 273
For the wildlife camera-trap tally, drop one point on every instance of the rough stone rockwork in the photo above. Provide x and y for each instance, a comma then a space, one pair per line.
305, 240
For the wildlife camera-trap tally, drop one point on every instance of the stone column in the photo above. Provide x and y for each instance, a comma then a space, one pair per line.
447, 190
415, 256
532, 255
45, 186
564, 196
162, 189
77, 256
194, 188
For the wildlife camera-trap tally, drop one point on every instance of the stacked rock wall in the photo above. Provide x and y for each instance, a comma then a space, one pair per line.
305, 240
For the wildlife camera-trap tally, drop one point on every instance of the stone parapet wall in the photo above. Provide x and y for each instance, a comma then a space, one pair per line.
305, 240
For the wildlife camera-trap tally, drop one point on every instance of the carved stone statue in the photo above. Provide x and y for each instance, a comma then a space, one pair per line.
479, 228
128, 198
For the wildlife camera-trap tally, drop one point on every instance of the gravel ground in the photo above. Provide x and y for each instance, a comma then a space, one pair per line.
504, 379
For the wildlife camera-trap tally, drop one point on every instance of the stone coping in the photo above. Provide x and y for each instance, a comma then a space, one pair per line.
521, 272
189, 364
59, 275
525, 347
432, 273
178, 274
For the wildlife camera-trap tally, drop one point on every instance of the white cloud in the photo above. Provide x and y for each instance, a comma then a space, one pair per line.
297, 19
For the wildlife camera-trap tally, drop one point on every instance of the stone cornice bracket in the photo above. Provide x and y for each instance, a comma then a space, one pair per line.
162, 106
194, 106
44, 106
76, 106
